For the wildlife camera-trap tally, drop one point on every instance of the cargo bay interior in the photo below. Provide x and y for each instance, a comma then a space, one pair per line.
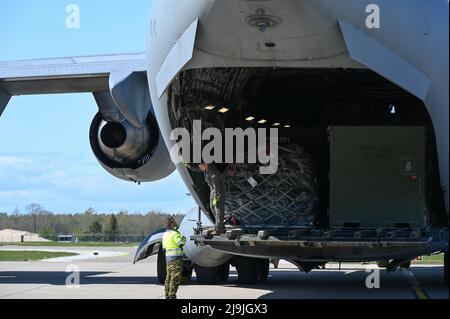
304, 104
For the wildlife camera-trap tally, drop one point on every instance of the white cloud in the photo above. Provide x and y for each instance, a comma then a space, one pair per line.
12, 161
72, 183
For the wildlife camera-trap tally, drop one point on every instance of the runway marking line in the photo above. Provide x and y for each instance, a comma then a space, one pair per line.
420, 294
417, 291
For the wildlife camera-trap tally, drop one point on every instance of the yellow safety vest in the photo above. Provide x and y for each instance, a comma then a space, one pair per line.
172, 242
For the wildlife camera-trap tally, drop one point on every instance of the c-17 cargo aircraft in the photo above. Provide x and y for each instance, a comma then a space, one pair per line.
357, 88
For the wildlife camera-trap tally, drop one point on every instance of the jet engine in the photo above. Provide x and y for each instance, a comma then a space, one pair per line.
128, 152
124, 134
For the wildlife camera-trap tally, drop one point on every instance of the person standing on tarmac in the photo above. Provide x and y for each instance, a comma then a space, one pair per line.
216, 182
173, 243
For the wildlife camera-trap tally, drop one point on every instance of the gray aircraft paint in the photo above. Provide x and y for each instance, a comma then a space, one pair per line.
309, 36
222, 41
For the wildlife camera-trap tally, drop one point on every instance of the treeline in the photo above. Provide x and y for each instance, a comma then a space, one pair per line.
87, 226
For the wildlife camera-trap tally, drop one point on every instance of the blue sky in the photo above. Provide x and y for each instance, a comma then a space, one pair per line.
45, 156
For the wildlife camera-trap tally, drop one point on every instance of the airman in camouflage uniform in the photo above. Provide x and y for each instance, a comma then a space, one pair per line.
173, 244
216, 182
173, 278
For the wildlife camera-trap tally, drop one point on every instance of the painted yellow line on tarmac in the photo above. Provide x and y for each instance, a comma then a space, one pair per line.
418, 292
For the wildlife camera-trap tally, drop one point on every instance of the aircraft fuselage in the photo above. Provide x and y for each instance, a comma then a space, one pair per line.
299, 35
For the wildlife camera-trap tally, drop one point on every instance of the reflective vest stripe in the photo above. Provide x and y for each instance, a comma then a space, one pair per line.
174, 252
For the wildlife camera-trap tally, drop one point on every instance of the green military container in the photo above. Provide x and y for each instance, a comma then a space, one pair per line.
377, 177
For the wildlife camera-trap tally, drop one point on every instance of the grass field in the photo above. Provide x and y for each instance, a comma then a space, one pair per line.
31, 255
426, 260
433, 259
81, 244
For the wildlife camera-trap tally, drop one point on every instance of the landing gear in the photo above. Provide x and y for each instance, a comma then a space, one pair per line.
212, 275
252, 270
247, 269
205, 275
161, 267
223, 273
264, 268
186, 274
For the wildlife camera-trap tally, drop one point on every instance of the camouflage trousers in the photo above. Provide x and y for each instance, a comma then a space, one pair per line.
173, 277
217, 204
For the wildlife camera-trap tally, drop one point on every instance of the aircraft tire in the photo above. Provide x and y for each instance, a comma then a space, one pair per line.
248, 270
161, 267
264, 266
186, 275
223, 273
206, 275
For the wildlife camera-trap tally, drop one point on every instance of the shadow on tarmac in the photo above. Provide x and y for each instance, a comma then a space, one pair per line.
59, 278
282, 284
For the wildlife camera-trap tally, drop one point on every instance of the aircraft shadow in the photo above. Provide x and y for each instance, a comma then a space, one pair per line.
348, 283
282, 284
59, 278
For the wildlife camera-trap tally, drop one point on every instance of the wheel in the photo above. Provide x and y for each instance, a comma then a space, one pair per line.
248, 270
223, 273
186, 274
206, 275
161, 267
446, 268
264, 268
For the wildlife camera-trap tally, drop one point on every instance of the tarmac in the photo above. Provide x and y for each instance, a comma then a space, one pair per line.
109, 273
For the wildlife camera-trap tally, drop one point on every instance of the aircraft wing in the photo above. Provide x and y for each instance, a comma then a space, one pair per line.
120, 88
65, 75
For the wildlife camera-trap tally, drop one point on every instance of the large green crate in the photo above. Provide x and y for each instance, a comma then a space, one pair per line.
377, 177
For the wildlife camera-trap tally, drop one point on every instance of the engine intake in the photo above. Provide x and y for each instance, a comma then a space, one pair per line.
128, 152
124, 143
113, 135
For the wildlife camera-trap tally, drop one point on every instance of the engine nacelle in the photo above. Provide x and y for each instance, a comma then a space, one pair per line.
129, 152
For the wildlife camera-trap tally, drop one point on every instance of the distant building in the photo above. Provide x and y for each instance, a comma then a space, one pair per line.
19, 236
67, 239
